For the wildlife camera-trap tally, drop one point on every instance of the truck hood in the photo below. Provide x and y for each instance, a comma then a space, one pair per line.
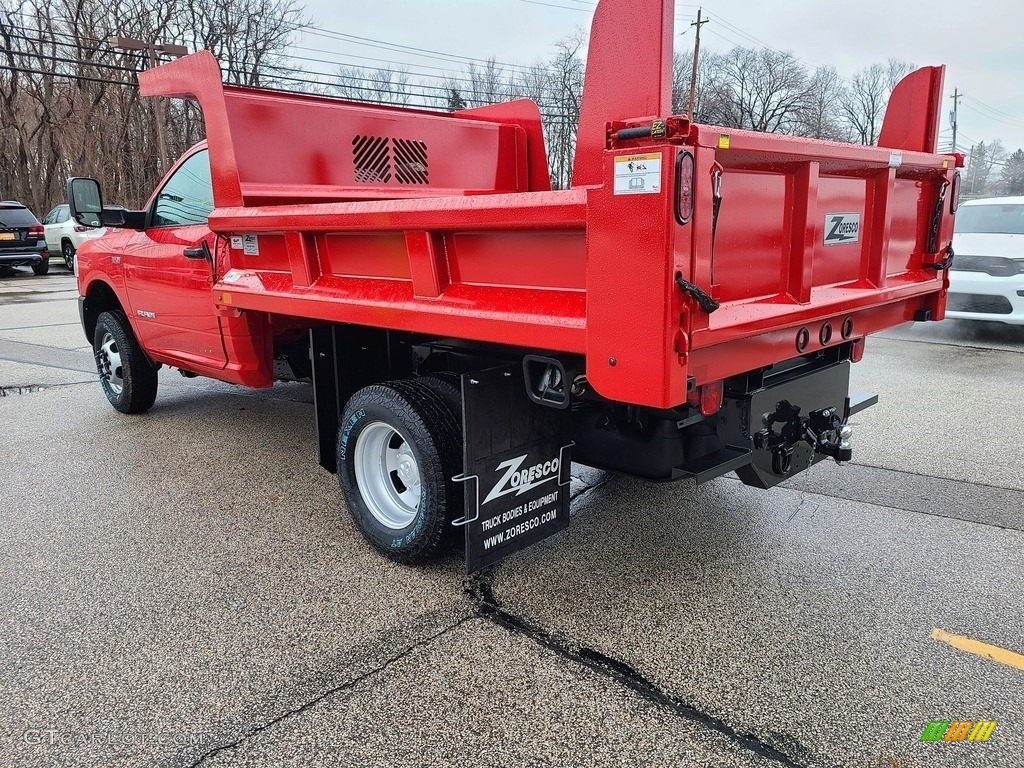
988, 244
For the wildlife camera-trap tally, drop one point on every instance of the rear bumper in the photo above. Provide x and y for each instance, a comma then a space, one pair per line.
24, 257
977, 296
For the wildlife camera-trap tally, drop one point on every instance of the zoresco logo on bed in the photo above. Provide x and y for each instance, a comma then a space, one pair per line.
842, 228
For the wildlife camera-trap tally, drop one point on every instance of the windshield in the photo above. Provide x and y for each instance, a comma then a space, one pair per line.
995, 218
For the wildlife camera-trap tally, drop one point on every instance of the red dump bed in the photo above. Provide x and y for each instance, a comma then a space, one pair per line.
445, 223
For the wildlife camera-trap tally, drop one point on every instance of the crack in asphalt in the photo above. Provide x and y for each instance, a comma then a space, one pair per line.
479, 587
347, 685
588, 489
22, 389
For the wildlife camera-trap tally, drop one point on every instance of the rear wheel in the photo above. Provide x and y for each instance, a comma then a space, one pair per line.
67, 250
127, 378
449, 387
399, 446
42, 267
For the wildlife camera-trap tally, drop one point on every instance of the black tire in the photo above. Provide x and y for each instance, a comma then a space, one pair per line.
67, 250
449, 387
416, 528
42, 267
127, 378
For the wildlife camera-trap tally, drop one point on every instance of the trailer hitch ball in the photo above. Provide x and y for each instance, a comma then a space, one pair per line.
845, 452
825, 431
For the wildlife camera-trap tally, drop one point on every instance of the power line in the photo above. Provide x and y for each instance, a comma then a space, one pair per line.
64, 60
990, 112
335, 81
991, 109
85, 78
411, 50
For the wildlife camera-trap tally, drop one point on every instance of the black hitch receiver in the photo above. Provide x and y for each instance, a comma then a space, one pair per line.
823, 430
793, 421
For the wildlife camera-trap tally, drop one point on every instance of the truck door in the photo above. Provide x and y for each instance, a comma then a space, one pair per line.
170, 295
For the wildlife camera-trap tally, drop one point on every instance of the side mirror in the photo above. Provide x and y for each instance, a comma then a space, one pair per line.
85, 201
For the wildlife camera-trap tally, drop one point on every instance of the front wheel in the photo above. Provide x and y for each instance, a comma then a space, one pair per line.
127, 378
67, 250
399, 446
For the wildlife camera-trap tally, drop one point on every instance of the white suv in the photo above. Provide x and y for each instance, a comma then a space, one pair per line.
65, 235
986, 281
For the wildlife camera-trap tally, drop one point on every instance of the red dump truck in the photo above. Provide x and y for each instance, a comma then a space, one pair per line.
691, 306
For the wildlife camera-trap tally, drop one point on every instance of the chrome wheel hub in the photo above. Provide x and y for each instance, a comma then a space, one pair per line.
108, 361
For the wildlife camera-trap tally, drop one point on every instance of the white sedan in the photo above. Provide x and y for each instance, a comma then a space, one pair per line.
65, 235
986, 281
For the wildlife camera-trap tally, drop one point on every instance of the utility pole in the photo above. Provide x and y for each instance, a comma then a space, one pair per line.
170, 49
952, 115
696, 55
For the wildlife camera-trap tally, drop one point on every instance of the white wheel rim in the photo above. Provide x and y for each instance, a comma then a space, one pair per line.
388, 475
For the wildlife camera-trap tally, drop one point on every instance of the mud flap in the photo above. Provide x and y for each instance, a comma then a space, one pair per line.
516, 466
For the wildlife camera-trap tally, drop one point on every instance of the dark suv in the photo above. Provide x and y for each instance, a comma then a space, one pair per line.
22, 241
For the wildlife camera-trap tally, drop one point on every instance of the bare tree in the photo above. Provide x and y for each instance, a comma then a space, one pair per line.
377, 86
70, 103
756, 89
865, 99
710, 93
565, 94
247, 36
982, 161
820, 116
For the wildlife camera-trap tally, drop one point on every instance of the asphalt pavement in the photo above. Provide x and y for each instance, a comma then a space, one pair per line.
185, 588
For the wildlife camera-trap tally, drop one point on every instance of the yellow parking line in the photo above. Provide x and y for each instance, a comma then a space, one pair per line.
978, 648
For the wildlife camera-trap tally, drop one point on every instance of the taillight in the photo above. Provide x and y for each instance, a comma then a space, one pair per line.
684, 187
80, 228
711, 398
35, 230
857, 351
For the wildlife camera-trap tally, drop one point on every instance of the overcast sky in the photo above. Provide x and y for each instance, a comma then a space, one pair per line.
981, 43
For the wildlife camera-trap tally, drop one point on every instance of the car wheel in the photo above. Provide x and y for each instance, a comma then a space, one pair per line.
42, 267
127, 378
398, 450
67, 250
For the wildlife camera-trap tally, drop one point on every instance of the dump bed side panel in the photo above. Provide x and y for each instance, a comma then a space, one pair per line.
271, 148
505, 269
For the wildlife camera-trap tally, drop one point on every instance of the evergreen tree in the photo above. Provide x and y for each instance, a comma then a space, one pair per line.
1011, 178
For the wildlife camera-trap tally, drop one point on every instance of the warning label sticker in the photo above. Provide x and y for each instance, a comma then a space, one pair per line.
638, 174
